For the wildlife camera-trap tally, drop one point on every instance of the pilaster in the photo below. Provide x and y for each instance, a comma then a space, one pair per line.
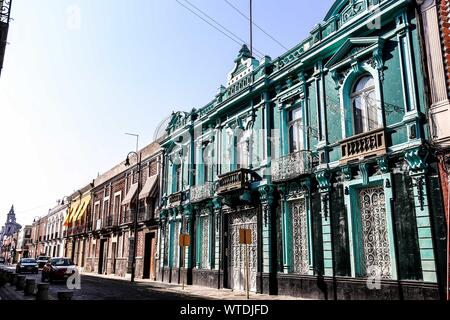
323, 178
416, 160
267, 205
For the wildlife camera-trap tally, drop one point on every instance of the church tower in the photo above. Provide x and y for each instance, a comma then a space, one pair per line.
11, 225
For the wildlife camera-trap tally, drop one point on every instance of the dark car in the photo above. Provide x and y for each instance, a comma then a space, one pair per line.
2, 260
42, 260
58, 269
27, 265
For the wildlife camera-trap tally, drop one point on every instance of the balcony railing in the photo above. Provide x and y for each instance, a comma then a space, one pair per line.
109, 221
175, 199
202, 192
362, 146
128, 216
144, 214
236, 180
291, 166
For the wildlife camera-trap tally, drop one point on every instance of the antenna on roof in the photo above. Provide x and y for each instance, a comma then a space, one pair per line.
251, 28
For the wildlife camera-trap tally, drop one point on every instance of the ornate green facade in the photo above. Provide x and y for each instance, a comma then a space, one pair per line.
322, 153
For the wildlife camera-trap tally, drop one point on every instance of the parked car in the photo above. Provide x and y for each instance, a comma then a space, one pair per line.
58, 269
2, 260
42, 260
27, 265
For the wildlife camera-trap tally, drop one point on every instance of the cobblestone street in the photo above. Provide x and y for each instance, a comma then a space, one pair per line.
101, 287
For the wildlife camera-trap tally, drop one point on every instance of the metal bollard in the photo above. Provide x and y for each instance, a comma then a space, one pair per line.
65, 295
9, 276
42, 291
20, 282
30, 285
13, 279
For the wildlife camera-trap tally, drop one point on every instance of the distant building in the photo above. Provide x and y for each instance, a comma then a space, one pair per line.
54, 241
23, 242
11, 226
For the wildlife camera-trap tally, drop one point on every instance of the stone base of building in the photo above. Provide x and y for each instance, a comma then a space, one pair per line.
325, 288
266, 283
208, 278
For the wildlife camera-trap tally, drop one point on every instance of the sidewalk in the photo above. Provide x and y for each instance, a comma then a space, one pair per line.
195, 291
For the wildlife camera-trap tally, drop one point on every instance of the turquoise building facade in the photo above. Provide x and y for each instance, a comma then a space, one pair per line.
322, 153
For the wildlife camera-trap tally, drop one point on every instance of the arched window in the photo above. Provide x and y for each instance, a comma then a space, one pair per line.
364, 107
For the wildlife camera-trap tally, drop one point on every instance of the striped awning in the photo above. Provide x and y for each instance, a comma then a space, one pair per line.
82, 208
131, 192
72, 211
148, 187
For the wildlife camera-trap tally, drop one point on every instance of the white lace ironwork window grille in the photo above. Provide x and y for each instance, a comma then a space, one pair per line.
295, 127
364, 107
165, 242
297, 210
376, 260
175, 245
205, 243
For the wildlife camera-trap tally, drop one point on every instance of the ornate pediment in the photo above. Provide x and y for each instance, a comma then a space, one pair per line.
242, 74
353, 48
177, 120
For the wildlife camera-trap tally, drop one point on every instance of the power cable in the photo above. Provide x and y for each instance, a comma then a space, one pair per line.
261, 29
240, 42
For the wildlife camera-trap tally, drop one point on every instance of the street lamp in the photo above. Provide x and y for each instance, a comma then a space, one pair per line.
127, 163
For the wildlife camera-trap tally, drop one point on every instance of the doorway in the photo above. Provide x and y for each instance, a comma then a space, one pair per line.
246, 219
113, 257
149, 256
102, 255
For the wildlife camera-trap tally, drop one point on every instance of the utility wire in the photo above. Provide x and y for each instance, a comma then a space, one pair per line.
240, 42
215, 21
261, 29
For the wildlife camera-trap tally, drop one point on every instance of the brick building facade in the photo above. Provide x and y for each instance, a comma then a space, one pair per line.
114, 196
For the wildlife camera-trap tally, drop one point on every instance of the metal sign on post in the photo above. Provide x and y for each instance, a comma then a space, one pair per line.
184, 241
245, 238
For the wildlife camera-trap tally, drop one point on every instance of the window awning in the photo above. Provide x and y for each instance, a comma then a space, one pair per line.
72, 210
130, 194
148, 187
83, 207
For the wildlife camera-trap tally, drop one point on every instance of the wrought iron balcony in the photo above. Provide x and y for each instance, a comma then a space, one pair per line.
362, 146
291, 166
110, 222
128, 216
202, 192
236, 180
144, 214
175, 199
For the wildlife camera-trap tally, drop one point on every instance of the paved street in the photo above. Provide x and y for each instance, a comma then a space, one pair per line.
95, 288
101, 287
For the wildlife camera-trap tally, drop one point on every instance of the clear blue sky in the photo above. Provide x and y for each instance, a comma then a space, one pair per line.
71, 87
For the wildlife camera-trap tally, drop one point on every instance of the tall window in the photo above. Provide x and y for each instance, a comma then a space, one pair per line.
365, 115
178, 177
242, 151
117, 202
295, 130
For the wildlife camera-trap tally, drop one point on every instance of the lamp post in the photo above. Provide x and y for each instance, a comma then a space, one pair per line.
127, 163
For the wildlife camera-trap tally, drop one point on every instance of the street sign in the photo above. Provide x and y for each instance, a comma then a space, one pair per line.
184, 240
245, 236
